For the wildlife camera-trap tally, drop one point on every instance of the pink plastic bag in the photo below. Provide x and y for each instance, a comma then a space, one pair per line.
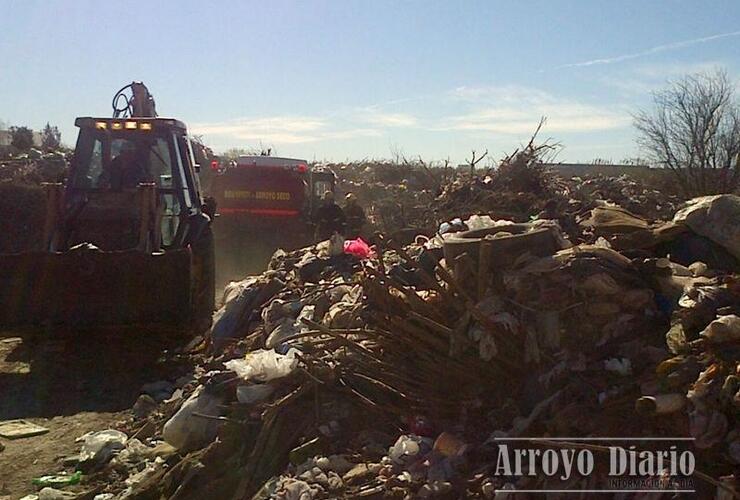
359, 248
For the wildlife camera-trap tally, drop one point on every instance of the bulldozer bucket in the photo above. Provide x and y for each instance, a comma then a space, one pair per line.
91, 288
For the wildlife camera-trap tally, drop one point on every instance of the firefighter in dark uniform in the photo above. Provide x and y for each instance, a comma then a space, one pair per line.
355, 216
329, 218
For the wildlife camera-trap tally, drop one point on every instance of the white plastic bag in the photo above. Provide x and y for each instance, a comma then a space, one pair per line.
187, 432
99, 447
484, 221
264, 365
409, 448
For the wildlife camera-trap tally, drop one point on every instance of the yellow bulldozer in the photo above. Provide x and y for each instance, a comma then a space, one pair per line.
127, 238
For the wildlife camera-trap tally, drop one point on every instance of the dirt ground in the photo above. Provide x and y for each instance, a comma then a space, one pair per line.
72, 384
242, 249
24, 459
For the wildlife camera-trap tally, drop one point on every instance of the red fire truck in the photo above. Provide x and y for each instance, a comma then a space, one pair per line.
264, 203
259, 191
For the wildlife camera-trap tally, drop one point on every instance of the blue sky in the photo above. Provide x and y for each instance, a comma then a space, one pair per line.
356, 79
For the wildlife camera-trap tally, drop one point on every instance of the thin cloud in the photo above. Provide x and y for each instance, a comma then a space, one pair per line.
383, 119
279, 130
517, 122
499, 94
654, 50
516, 110
265, 125
469, 111
402, 100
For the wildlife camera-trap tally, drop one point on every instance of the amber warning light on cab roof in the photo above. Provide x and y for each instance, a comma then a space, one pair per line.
127, 125
130, 124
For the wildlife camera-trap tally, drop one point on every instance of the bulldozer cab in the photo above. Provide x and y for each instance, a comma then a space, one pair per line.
113, 160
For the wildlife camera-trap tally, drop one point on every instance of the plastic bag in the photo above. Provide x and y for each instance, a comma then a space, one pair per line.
187, 432
409, 448
264, 365
359, 248
454, 226
99, 447
287, 327
241, 299
484, 221
58, 480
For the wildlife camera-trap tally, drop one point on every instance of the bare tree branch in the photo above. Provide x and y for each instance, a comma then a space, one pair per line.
473, 161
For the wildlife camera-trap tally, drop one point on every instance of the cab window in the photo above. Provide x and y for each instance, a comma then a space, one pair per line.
183, 164
170, 218
160, 163
121, 160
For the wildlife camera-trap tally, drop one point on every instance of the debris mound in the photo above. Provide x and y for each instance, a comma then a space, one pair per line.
529, 308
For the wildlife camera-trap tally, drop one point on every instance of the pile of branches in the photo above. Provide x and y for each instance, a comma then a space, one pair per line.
525, 171
518, 188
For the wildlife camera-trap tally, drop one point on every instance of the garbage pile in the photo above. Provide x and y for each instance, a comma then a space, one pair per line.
22, 196
518, 188
397, 196
34, 167
410, 198
626, 192
521, 306
397, 371
704, 332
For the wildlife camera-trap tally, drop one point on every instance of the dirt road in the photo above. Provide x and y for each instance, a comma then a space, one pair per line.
241, 251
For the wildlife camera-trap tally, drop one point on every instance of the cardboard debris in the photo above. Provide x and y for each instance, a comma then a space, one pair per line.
19, 429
